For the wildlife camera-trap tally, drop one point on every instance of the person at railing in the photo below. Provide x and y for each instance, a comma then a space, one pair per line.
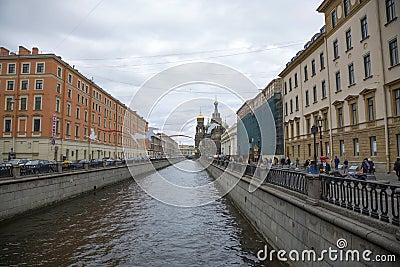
365, 166
324, 167
396, 167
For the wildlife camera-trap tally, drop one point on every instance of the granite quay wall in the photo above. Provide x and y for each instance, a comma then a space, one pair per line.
26, 193
294, 217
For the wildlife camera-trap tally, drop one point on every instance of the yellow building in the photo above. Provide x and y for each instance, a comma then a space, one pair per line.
348, 75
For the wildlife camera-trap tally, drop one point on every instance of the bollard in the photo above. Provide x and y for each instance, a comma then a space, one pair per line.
314, 189
16, 171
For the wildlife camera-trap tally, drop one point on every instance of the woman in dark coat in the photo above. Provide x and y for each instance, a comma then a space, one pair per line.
397, 167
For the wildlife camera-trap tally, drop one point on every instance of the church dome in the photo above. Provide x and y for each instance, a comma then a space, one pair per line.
200, 117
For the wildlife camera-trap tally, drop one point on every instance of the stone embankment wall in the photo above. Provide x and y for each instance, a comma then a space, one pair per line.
27, 193
288, 222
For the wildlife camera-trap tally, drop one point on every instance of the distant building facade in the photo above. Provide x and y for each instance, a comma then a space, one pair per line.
349, 76
229, 141
51, 111
187, 150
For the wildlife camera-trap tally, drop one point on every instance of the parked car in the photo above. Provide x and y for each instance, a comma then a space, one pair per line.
18, 161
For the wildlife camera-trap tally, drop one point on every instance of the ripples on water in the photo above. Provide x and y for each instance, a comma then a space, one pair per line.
122, 225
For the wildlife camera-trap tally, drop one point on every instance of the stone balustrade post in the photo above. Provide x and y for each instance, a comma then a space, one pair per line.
397, 192
314, 189
60, 166
16, 171
86, 166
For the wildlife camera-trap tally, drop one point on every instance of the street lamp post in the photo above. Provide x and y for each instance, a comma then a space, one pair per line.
13, 152
314, 131
319, 121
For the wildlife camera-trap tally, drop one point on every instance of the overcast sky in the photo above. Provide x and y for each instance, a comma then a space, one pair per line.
123, 44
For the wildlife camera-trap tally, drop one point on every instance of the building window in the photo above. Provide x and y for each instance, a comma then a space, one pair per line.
78, 111
290, 84
326, 122
313, 67
367, 66
84, 132
335, 49
372, 145
38, 102
356, 148
348, 39
76, 130
354, 113
7, 126
364, 28
67, 130
25, 68
333, 18
397, 101
323, 89
351, 74
394, 52
79, 84
390, 10
9, 103
308, 125
338, 84
99, 120
322, 60
39, 84
285, 87
307, 99
59, 72
341, 145
10, 85
340, 117
69, 78
68, 109
85, 115
286, 108
291, 106
370, 102
23, 101
315, 94
305, 73
69, 94
327, 148
346, 7
40, 67
36, 125
298, 128
24, 85
297, 102
295, 80
57, 104
11, 68
58, 88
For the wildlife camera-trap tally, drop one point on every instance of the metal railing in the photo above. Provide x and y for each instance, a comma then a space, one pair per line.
6, 171
292, 180
374, 199
38, 169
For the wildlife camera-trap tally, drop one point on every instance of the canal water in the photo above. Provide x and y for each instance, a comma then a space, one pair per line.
123, 226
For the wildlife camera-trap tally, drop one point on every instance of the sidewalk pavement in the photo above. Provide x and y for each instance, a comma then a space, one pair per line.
390, 177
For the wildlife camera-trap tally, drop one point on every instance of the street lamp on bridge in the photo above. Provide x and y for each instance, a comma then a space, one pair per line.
314, 131
319, 122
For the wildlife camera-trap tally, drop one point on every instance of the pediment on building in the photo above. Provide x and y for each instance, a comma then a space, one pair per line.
367, 91
351, 97
337, 102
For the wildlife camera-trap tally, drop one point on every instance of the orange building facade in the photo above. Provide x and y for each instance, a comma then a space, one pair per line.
49, 110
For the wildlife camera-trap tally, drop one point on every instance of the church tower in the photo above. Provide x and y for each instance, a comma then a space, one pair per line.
200, 130
216, 117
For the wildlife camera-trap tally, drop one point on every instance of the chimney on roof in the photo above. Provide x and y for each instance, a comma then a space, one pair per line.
23, 51
4, 51
35, 50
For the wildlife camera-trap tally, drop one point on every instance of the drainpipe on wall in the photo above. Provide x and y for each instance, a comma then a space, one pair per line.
384, 87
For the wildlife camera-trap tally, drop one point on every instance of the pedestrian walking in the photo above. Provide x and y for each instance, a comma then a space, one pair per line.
396, 168
365, 166
336, 163
346, 166
371, 166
